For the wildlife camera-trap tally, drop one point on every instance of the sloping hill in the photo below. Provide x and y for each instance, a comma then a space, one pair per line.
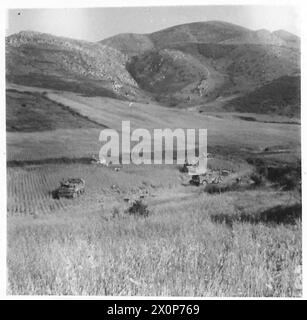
291, 39
280, 96
217, 59
214, 32
33, 111
44, 60
130, 43
169, 74
261, 36
194, 73
199, 32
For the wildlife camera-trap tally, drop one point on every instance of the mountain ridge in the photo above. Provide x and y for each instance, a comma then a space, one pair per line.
190, 29
182, 65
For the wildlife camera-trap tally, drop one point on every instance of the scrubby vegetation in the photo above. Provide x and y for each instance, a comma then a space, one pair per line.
284, 176
222, 187
138, 208
279, 97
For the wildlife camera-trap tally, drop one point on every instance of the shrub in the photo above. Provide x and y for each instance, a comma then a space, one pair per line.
289, 182
257, 179
55, 194
138, 208
221, 188
288, 178
213, 188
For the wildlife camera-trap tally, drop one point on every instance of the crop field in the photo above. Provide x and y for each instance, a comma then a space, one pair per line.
30, 188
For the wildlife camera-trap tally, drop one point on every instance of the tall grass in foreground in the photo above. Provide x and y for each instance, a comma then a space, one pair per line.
177, 250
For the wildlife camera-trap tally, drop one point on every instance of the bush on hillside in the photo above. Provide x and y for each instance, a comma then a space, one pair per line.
138, 208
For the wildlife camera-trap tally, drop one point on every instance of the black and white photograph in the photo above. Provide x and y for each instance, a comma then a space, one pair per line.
153, 151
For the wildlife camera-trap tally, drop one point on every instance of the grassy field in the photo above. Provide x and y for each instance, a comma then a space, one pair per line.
231, 133
244, 242
180, 249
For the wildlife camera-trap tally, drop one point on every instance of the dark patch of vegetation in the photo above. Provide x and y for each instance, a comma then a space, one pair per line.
267, 121
281, 96
277, 215
62, 160
138, 208
247, 118
32, 112
87, 87
55, 194
223, 187
258, 179
285, 176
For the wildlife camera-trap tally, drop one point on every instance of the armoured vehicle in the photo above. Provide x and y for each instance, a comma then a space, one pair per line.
70, 188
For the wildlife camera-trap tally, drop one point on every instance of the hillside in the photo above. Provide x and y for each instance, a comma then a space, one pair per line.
33, 112
280, 96
203, 72
198, 62
180, 66
217, 32
290, 38
131, 44
44, 60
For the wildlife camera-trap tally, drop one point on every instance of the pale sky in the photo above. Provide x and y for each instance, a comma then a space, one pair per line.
94, 24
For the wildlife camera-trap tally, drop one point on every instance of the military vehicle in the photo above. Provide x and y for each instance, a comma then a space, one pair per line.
70, 188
